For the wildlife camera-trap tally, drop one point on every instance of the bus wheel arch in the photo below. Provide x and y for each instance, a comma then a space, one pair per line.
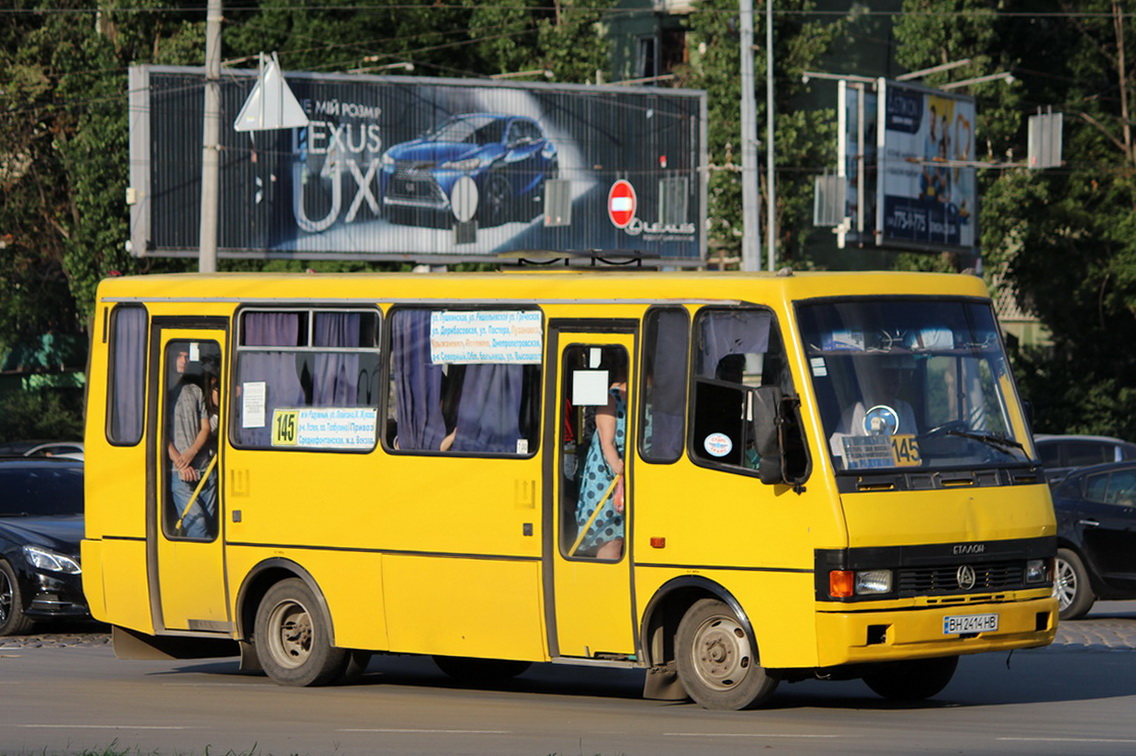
692, 611
279, 594
258, 582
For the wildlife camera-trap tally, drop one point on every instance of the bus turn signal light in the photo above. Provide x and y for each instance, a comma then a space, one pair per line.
658, 542
840, 583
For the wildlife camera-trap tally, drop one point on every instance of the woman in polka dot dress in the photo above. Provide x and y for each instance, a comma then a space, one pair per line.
602, 465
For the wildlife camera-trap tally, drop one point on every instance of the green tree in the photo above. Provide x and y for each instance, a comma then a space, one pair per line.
805, 139
1063, 237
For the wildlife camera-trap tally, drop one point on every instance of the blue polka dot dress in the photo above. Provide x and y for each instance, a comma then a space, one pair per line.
596, 479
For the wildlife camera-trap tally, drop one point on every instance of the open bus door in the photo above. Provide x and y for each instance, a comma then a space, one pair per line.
588, 583
185, 554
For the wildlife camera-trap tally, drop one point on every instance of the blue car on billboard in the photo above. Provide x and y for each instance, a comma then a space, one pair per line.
485, 166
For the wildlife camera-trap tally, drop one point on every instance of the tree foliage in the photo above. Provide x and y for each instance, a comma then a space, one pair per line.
1062, 238
804, 139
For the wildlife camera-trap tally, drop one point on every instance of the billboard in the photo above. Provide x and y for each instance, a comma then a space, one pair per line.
907, 160
422, 169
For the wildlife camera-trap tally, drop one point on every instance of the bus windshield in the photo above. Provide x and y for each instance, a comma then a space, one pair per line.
911, 383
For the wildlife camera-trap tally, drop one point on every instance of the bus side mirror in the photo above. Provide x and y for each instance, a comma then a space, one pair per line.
766, 419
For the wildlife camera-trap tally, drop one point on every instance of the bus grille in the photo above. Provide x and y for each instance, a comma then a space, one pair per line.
995, 576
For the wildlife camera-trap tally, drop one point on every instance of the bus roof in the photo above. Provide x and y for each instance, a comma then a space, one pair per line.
526, 286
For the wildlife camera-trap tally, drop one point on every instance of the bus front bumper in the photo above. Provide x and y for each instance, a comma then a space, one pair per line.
876, 635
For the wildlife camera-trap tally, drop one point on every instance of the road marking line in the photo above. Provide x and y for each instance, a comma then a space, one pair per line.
746, 735
1071, 740
441, 732
101, 727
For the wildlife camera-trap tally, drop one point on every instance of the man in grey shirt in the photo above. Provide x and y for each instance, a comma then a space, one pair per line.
190, 453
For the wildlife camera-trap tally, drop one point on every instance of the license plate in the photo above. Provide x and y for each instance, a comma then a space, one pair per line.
970, 623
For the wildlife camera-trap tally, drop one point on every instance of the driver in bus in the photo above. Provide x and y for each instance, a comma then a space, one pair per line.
880, 410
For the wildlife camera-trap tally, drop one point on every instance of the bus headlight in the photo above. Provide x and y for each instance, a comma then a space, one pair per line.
1037, 571
873, 581
846, 583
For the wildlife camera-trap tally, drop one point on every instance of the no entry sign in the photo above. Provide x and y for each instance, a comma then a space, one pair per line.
621, 203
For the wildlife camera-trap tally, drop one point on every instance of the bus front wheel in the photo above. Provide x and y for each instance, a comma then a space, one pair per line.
913, 680
717, 659
293, 639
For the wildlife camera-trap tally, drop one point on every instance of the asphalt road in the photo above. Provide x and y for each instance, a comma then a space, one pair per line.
65, 692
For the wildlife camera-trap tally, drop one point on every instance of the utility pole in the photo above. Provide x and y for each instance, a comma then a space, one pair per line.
210, 156
751, 199
771, 207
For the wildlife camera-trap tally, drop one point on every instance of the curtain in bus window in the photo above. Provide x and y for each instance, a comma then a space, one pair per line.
335, 382
667, 394
129, 373
276, 370
271, 329
490, 408
731, 332
418, 382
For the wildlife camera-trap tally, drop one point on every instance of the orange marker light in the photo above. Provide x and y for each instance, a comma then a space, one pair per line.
658, 543
840, 583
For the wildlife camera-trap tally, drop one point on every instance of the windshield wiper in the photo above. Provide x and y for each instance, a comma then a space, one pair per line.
1000, 443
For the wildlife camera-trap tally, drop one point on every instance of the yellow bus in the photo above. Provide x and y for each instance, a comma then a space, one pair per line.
726, 480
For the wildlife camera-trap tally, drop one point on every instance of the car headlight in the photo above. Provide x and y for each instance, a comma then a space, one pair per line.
468, 164
51, 561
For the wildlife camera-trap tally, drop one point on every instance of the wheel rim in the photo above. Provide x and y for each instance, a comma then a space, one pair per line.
290, 634
721, 653
1065, 584
7, 596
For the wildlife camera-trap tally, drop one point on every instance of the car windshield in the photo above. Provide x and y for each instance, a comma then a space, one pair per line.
41, 490
473, 129
907, 383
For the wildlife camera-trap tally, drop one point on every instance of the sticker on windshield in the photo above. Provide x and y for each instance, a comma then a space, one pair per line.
885, 450
718, 444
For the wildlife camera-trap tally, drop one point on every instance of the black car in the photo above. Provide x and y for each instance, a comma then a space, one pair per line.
41, 524
1096, 536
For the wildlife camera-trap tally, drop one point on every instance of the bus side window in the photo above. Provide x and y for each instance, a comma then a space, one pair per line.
738, 350
473, 407
666, 347
127, 381
298, 358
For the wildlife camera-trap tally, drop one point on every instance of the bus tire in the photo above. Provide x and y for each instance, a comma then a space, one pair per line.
913, 680
1071, 586
717, 659
490, 671
292, 638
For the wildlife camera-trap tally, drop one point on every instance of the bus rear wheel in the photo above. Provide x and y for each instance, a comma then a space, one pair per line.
717, 659
293, 642
913, 680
